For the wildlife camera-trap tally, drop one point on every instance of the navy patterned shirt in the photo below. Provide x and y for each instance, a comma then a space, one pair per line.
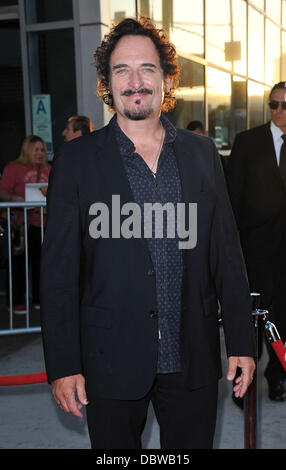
164, 251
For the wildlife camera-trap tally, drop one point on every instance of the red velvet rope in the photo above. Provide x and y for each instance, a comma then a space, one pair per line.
25, 379
41, 377
280, 351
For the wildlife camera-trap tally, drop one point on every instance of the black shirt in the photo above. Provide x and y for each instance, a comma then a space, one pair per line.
165, 252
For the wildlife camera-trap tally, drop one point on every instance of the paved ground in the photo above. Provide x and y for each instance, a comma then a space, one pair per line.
31, 420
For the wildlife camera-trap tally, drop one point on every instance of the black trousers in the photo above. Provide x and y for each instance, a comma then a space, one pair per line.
186, 418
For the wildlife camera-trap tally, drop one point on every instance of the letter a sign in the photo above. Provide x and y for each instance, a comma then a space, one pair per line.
41, 107
42, 121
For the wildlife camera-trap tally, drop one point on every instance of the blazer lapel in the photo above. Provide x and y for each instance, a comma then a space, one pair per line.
116, 176
113, 167
189, 169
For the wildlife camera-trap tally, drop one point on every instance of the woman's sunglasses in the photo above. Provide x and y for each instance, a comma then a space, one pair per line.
274, 104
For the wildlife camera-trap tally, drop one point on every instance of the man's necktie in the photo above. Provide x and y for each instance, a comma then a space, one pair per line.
282, 164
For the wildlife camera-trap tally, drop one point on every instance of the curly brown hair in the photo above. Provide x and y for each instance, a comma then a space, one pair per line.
142, 27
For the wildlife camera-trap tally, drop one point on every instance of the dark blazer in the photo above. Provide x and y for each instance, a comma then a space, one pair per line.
258, 198
257, 192
107, 330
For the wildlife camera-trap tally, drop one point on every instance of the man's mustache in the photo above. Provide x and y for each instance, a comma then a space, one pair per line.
137, 92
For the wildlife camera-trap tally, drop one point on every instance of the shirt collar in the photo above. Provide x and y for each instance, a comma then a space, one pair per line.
171, 132
276, 131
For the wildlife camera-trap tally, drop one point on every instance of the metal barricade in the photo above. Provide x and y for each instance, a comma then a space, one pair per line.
26, 206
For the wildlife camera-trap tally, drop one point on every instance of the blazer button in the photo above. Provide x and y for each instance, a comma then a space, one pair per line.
151, 272
153, 314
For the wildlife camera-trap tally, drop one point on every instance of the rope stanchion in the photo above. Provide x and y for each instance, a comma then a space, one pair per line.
26, 379
274, 339
276, 342
250, 400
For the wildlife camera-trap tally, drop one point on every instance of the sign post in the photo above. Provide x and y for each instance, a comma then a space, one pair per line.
42, 122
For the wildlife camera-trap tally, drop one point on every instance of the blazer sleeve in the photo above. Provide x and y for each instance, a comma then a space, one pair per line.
60, 271
229, 273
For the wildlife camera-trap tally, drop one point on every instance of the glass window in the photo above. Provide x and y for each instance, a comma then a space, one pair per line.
183, 20
12, 117
219, 101
283, 63
238, 107
52, 71
187, 32
226, 34
273, 9
239, 35
40, 11
218, 31
272, 53
152, 9
190, 104
284, 13
255, 45
122, 9
255, 104
267, 112
258, 3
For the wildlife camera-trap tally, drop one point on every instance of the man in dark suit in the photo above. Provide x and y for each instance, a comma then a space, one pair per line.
77, 126
129, 313
197, 127
256, 182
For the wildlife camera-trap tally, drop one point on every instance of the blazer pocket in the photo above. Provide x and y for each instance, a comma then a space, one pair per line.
210, 305
100, 317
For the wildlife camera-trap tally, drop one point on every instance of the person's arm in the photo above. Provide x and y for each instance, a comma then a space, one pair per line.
5, 196
7, 184
229, 273
66, 389
247, 367
60, 267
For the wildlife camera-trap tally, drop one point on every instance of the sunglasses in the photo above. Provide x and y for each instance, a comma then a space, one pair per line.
275, 104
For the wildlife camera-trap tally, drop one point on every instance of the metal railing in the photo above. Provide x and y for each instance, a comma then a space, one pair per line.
26, 206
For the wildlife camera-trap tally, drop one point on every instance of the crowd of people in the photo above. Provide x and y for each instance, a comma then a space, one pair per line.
32, 166
148, 326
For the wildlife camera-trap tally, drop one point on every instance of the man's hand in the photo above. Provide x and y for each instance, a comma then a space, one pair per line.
64, 390
247, 366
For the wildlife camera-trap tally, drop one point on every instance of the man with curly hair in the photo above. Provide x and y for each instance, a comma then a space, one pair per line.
128, 318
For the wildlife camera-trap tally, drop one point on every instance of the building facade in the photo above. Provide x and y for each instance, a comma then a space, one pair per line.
231, 52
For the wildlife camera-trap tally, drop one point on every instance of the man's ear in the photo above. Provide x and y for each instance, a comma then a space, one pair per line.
167, 84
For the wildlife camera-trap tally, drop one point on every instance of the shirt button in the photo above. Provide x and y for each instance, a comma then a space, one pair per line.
151, 272
153, 314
